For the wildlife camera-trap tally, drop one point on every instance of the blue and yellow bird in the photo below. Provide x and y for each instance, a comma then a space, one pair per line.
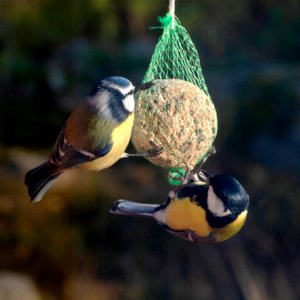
94, 137
208, 211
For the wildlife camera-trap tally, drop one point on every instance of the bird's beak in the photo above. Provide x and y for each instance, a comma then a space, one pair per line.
130, 208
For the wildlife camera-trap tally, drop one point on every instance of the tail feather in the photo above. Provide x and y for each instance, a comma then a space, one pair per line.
130, 208
40, 179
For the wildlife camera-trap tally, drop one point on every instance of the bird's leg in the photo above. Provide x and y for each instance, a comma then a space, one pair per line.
150, 153
185, 178
197, 173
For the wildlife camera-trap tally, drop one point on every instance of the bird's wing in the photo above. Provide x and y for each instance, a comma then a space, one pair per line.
196, 191
65, 156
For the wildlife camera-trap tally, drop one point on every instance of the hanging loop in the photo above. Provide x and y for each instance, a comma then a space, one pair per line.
172, 11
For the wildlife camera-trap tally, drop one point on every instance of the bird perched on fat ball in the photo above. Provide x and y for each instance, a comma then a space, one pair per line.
211, 209
94, 137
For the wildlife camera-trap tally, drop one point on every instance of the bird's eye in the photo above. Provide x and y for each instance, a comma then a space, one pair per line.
130, 93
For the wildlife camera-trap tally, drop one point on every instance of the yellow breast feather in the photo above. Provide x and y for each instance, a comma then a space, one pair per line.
231, 229
120, 137
183, 214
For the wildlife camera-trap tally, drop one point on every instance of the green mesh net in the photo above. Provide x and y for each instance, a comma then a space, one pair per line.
175, 57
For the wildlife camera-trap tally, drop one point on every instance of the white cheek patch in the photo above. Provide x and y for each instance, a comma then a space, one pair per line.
128, 103
215, 205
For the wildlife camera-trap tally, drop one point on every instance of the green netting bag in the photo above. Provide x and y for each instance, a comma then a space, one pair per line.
175, 111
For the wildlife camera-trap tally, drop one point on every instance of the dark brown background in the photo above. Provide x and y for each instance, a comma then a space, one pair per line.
52, 53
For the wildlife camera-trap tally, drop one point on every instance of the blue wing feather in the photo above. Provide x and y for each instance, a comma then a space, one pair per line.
65, 156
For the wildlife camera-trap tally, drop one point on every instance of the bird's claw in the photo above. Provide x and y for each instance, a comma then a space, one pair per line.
150, 153
155, 151
144, 86
125, 155
198, 174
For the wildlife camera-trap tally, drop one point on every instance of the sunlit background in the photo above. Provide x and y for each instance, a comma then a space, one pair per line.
68, 246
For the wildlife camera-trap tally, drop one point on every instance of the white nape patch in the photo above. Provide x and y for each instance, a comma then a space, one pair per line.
215, 205
128, 103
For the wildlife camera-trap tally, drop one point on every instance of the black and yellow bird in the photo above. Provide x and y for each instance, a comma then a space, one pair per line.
94, 137
209, 211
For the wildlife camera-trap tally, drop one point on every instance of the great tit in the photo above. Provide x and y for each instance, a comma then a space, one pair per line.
94, 137
210, 210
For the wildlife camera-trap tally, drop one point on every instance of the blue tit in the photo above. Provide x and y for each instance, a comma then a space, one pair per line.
209, 211
94, 137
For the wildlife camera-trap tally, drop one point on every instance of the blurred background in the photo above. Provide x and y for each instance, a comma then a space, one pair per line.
68, 246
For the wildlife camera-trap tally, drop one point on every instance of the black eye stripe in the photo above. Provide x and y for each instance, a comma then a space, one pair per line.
130, 93
116, 91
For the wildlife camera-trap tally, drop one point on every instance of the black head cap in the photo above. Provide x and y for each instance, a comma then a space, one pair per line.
231, 192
